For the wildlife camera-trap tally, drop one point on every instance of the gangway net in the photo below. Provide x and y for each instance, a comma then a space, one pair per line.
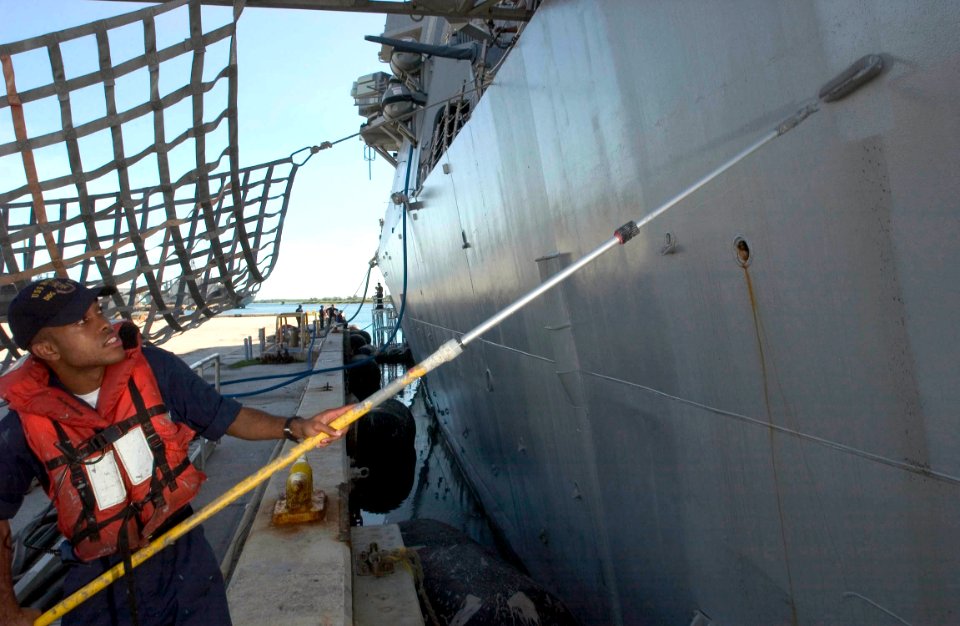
119, 165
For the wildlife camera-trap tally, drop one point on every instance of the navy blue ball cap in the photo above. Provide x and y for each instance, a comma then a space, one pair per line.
50, 302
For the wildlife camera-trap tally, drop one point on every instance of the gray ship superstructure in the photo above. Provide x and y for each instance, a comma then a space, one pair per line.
749, 414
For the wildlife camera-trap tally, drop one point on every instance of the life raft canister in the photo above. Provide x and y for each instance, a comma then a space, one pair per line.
115, 473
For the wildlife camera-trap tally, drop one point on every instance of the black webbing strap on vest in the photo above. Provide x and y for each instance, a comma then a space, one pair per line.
169, 478
101, 440
87, 526
124, 545
78, 479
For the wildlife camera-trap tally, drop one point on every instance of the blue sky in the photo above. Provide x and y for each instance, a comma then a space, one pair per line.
296, 69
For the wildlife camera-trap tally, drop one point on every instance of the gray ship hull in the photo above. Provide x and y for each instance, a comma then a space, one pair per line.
668, 431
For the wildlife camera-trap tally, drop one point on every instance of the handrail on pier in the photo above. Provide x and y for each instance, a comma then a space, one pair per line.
199, 366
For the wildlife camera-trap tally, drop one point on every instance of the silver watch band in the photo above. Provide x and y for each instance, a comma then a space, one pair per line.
288, 432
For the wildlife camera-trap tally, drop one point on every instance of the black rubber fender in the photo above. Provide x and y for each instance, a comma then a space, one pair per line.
357, 341
385, 428
363, 380
455, 567
382, 441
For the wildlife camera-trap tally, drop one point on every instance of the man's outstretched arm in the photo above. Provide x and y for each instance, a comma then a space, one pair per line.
10, 612
255, 424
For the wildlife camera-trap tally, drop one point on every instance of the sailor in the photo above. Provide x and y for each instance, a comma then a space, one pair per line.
378, 296
103, 422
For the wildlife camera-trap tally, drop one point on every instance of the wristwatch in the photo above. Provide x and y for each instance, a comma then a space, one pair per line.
288, 432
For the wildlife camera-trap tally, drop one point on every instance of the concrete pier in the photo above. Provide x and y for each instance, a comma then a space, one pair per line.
301, 574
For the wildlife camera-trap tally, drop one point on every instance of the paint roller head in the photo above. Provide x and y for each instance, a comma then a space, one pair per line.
861, 72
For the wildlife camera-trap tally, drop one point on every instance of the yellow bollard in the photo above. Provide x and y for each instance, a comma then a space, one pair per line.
301, 503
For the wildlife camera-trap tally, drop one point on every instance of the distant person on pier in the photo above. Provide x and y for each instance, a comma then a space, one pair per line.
103, 422
378, 296
299, 308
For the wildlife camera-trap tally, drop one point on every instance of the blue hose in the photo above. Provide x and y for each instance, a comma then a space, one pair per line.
294, 378
363, 298
403, 294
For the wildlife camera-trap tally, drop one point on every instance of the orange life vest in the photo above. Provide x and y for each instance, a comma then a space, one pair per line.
115, 473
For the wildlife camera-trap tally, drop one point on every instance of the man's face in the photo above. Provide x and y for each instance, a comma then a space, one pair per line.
88, 343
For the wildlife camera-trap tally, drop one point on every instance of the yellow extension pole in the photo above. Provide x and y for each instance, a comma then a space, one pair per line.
447, 352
